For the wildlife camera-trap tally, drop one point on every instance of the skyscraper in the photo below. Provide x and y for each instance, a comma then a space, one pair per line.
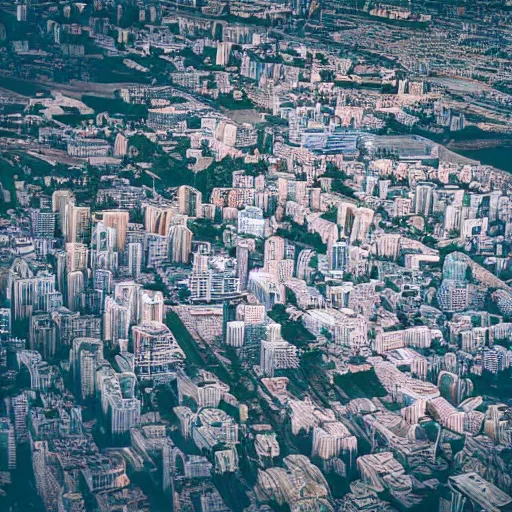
78, 223
189, 201
75, 288
424, 198
116, 321
43, 223
180, 244
151, 306
84, 357
77, 257
43, 335
157, 218
102, 280
19, 405
134, 259
242, 258
117, 219
251, 221
274, 253
338, 256
235, 333
5, 323
60, 199
156, 350
157, 250
7, 446
29, 292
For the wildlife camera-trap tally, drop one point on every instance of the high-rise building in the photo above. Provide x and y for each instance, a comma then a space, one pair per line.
338, 256
362, 222
85, 355
251, 314
455, 267
117, 219
103, 238
119, 406
156, 350
116, 321
251, 221
274, 253
120, 145
5, 323
60, 199
354, 221
348, 329
102, 280
157, 218
63, 318
266, 288
86, 326
60, 258
453, 296
424, 198
21, 12
205, 390
7, 446
134, 259
77, 257
388, 245
278, 355
235, 332
151, 307
180, 244
29, 293
75, 288
305, 267
189, 201
213, 278
228, 315
43, 335
242, 259
43, 223
127, 293
19, 406
157, 250
77, 223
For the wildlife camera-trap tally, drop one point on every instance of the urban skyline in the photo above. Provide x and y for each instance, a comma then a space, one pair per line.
256, 256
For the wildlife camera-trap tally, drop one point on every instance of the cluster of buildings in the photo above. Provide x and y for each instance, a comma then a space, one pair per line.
249, 273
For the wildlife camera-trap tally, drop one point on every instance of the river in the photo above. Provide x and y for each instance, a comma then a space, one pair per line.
500, 157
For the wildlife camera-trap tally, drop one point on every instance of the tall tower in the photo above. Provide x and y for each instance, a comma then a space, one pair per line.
274, 253
157, 219
134, 259
117, 219
242, 259
180, 244
156, 350
338, 256
78, 223
84, 357
189, 201
75, 288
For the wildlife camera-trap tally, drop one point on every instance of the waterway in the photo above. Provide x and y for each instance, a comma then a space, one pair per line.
500, 157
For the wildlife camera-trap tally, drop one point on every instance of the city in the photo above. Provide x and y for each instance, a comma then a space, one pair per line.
256, 255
